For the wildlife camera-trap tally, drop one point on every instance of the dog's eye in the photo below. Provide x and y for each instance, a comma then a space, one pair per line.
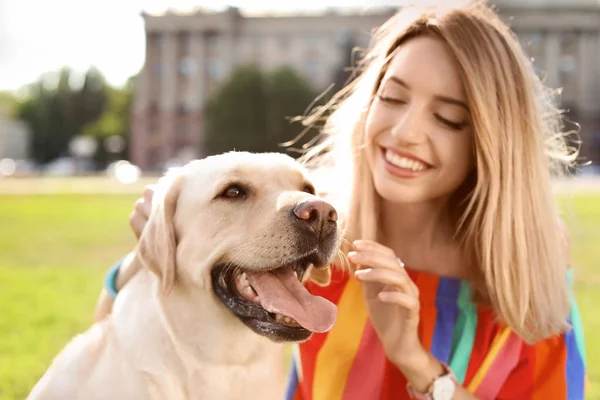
308, 188
235, 191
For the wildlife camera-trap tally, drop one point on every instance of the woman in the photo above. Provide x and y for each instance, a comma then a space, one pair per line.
457, 285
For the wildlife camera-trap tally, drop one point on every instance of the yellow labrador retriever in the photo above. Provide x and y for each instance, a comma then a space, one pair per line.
226, 246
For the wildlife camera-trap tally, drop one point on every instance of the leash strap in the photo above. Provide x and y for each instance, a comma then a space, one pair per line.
110, 280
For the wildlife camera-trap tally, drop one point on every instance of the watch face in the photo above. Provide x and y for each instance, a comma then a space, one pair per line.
444, 388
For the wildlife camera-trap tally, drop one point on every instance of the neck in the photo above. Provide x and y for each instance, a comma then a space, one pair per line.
421, 234
174, 336
426, 224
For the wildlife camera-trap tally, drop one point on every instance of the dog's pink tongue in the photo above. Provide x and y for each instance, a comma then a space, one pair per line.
281, 292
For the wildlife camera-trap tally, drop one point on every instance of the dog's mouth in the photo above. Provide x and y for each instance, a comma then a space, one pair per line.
273, 302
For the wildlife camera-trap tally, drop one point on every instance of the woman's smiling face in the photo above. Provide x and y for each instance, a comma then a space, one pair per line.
419, 126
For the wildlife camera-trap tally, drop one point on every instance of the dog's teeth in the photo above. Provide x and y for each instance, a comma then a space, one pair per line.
296, 273
287, 319
243, 277
249, 290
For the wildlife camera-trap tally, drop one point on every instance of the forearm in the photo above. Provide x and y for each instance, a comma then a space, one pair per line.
129, 267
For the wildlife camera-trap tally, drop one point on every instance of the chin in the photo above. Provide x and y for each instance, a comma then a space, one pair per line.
396, 192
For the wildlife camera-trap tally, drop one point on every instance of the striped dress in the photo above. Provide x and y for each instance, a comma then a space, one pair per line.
349, 363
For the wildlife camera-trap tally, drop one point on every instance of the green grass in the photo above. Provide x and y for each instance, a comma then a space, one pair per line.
55, 249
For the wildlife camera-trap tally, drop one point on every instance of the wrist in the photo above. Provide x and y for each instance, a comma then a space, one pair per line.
420, 369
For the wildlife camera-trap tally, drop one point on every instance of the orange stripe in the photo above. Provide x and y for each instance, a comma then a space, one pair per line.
549, 373
336, 357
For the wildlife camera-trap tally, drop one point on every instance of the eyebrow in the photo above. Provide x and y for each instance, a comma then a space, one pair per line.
444, 99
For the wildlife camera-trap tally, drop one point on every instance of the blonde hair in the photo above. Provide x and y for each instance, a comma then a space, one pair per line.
509, 223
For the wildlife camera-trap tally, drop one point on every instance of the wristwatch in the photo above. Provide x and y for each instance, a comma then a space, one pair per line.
442, 388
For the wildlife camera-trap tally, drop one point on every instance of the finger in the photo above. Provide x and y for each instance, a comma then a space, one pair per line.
386, 277
375, 259
402, 299
143, 207
370, 245
149, 193
137, 223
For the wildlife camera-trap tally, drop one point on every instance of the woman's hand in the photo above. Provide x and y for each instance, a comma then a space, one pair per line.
393, 304
141, 212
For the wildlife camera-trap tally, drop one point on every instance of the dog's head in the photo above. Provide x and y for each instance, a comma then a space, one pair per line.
248, 229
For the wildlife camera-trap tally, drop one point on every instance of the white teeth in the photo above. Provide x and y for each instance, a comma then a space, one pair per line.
403, 162
244, 288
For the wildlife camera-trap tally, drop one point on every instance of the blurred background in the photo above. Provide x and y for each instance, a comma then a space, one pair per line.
97, 99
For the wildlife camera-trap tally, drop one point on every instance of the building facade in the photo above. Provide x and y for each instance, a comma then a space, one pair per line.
189, 53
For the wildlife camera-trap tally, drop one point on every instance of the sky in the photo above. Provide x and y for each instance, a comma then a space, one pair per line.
37, 36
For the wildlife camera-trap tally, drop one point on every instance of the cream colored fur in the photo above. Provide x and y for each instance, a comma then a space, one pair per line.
167, 336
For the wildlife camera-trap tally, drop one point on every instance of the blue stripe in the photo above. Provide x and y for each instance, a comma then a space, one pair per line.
575, 370
292, 383
447, 314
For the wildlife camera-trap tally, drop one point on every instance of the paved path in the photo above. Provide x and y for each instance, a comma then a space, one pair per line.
106, 185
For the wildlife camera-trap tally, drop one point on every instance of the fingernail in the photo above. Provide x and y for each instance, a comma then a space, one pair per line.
352, 254
363, 271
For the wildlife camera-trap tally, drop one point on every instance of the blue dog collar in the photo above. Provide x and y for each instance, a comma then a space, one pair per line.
110, 281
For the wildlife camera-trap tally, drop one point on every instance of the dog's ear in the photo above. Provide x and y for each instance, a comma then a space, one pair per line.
157, 246
321, 276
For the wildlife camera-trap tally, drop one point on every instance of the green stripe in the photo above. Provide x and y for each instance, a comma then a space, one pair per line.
463, 335
576, 319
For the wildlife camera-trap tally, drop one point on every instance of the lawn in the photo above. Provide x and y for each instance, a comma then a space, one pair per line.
54, 250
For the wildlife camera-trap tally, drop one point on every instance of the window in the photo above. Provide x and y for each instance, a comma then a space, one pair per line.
187, 66
215, 69
212, 44
184, 39
154, 40
153, 128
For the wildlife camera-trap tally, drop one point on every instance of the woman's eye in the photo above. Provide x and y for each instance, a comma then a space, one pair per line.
451, 124
391, 100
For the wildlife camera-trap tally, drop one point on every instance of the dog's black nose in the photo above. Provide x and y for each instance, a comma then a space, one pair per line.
318, 215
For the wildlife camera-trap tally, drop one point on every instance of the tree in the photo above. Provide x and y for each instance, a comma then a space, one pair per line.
251, 111
236, 115
8, 104
290, 96
114, 121
56, 110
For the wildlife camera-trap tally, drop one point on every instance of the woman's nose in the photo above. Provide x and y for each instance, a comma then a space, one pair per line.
410, 125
